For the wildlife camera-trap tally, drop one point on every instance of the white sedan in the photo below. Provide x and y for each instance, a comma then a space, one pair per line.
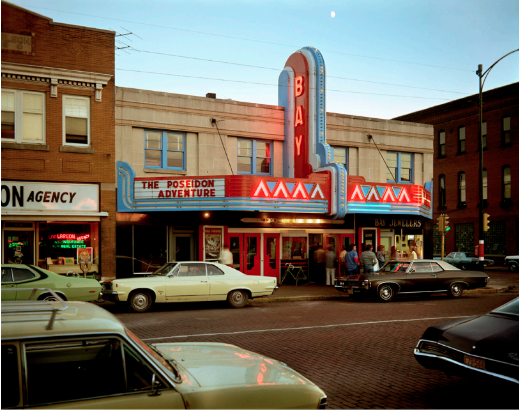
188, 282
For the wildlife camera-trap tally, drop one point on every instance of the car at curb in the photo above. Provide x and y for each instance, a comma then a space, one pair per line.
464, 262
512, 263
18, 276
484, 348
78, 355
188, 282
406, 277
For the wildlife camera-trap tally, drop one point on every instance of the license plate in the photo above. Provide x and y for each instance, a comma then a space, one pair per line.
349, 291
474, 362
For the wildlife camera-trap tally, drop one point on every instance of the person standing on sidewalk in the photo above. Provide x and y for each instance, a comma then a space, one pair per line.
352, 260
320, 260
381, 255
342, 261
368, 259
330, 266
226, 256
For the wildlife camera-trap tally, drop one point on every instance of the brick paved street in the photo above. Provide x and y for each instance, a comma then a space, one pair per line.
359, 353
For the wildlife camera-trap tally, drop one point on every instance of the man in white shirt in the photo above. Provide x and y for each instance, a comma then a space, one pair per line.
226, 256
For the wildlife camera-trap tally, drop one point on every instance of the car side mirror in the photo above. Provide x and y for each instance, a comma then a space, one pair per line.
155, 384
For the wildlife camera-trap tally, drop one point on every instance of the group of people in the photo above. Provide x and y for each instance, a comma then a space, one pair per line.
351, 263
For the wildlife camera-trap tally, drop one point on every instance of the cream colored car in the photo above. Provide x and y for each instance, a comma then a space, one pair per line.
85, 358
189, 282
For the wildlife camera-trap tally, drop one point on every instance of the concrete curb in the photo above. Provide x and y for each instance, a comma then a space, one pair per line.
274, 299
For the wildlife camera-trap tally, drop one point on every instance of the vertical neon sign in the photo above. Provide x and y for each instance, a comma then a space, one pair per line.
299, 65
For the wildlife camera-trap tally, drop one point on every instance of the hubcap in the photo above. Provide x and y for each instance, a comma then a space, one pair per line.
456, 289
49, 298
140, 301
386, 292
237, 297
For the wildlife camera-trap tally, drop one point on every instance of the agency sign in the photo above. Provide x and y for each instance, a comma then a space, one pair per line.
40, 196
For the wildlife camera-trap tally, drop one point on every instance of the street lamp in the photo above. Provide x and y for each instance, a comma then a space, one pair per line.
482, 78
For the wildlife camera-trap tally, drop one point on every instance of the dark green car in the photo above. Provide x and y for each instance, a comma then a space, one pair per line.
16, 276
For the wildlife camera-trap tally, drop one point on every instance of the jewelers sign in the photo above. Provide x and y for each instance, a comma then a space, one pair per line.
167, 188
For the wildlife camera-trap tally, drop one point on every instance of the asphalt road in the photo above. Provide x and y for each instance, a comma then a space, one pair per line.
359, 353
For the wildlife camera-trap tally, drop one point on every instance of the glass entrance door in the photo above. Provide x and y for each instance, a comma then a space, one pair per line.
252, 253
271, 254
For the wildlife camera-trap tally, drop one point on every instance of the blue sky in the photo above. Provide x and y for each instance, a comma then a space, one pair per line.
392, 57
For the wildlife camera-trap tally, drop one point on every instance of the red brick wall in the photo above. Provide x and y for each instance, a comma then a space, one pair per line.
74, 48
498, 103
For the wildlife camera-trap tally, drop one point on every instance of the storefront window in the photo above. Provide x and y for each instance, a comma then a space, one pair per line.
61, 243
18, 247
409, 245
294, 248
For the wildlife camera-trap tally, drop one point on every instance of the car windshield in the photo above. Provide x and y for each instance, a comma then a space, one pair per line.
165, 270
511, 308
395, 266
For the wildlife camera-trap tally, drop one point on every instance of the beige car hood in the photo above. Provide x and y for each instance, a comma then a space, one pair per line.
219, 365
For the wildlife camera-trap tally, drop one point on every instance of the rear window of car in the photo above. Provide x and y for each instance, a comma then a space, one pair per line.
22, 274
511, 308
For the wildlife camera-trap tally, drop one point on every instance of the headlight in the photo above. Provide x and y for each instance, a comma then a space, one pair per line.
366, 284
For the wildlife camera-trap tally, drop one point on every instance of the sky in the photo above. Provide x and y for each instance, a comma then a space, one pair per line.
384, 58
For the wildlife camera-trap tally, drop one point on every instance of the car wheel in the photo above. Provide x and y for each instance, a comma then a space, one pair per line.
455, 290
238, 298
386, 293
50, 296
140, 301
513, 267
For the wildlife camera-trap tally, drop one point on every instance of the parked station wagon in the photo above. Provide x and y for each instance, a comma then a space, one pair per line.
406, 276
189, 282
84, 357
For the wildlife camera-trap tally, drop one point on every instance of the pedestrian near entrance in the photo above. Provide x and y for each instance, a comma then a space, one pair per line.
368, 259
381, 255
352, 260
330, 266
320, 259
226, 256
342, 260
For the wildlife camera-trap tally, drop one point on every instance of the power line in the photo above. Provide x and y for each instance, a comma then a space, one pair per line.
253, 40
274, 85
277, 69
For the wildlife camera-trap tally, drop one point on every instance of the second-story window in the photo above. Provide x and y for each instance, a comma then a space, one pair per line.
76, 120
164, 150
340, 154
505, 133
462, 192
400, 166
441, 144
507, 182
23, 116
442, 193
254, 157
461, 140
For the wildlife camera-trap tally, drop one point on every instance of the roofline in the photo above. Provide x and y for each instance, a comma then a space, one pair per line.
51, 21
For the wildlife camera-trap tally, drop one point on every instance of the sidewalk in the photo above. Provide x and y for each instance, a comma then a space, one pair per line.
504, 282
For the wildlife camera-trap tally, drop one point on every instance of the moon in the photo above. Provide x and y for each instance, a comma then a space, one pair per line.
332, 14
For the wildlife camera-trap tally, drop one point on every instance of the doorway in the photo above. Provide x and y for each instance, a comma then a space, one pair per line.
245, 249
181, 247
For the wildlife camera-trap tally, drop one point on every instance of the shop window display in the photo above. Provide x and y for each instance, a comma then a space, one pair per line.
61, 243
294, 248
409, 246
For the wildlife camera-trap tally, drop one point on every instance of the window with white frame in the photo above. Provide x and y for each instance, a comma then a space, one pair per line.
461, 139
23, 116
462, 189
507, 182
505, 133
441, 143
76, 120
254, 157
340, 155
165, 150
400, 166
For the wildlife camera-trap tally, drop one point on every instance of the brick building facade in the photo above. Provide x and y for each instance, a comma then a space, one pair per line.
58, 142
456, 170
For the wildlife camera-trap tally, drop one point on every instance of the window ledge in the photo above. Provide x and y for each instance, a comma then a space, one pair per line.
506, 203
32, 147
77, 150
462, 205
165, 171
